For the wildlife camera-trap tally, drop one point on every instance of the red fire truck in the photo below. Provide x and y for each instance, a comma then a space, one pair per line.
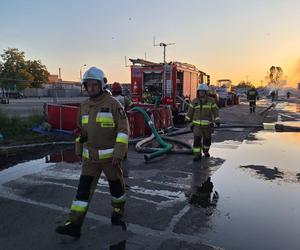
172, 83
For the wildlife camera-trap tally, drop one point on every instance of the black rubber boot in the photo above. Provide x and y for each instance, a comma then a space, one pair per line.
116, 218
70, 229
206, 154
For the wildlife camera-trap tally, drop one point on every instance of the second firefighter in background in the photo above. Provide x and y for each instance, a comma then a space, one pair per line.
203, 112
117, 91
252, 96
102, 143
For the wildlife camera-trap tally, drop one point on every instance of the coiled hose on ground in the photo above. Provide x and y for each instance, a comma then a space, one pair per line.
166, 147
140, 146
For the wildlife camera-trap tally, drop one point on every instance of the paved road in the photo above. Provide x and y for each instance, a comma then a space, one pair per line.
35, 197
28, 106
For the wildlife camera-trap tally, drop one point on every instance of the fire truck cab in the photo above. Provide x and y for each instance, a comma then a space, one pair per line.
171, 83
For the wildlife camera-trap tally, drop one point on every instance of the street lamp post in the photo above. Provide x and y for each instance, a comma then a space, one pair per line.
80, 75
81, 71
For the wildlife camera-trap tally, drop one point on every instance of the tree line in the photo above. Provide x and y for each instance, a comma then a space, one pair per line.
274, 78
18, 73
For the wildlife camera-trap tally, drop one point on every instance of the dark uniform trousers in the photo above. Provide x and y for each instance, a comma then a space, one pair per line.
91, 172
202, 139
252, 105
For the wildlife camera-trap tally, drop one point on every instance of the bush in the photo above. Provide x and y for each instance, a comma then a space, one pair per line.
17, 127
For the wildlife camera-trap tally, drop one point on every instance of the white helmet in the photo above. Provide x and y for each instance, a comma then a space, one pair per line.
96, 74
202, 87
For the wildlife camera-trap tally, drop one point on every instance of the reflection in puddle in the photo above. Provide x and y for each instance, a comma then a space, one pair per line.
119, 246
67, 155
18, 156
290, 107
202, 196
267, 173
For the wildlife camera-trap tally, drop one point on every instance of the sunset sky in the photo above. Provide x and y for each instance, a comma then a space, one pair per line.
236, 39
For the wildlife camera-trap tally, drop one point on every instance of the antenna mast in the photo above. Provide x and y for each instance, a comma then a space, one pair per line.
164, 61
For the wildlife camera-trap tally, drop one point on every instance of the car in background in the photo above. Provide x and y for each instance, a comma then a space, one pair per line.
15, 94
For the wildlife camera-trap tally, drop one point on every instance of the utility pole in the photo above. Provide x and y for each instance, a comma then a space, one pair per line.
80, 71
164, 62
80, 76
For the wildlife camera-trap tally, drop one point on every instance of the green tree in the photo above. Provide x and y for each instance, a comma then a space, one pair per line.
15, 71
244, 84
275, 76
38, 71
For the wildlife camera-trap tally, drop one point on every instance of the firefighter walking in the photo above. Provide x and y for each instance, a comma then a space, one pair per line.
252, 96
116, 90
202, 113
102, 144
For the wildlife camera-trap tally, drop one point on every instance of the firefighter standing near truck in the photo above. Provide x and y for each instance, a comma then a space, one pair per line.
203, 112
252, 96
147, 97
102, 144
116, 90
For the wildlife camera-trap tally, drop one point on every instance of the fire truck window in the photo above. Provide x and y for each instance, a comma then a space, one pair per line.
153, 81
179, 84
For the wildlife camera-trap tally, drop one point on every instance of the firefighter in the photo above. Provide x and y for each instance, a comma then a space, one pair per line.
202, 113
252, 96
116, 90
147, 97
102, 144
273, 94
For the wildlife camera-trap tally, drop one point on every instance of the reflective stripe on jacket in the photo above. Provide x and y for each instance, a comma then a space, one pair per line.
203, 112
104, 123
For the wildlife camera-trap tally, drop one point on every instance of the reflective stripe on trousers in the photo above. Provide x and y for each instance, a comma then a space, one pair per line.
121, 199
79, 206
122, 138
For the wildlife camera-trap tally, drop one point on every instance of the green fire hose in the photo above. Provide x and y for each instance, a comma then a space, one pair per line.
166, 147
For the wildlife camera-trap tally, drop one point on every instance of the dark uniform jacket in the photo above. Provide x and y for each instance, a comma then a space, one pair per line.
203, 112
252, 95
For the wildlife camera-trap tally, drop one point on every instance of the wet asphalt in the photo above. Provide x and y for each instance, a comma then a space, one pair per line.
243, 197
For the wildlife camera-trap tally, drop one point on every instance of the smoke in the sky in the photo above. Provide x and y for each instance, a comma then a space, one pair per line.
294, 76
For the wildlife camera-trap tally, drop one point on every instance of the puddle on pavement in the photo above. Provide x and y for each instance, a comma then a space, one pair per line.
258, 186
52, 153
287, 106
202, 195
67, 155
22, 169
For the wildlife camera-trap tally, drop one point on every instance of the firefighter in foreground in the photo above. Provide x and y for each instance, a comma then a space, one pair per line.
116, 90
102, 143
203, 112
252, 96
